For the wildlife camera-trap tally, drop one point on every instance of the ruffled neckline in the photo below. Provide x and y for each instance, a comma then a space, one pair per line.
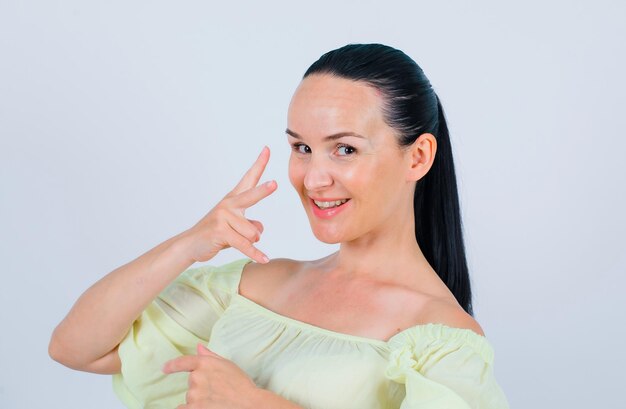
410, 335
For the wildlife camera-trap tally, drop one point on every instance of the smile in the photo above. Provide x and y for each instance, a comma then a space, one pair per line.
326, 205
328, 209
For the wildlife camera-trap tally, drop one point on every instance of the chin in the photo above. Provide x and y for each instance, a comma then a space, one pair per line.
327, 240
329, 231
328, 236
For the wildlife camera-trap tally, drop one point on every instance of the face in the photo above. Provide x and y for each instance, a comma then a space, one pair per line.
345, 161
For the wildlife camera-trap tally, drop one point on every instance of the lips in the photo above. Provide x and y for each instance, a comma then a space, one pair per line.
330, 212
326, 204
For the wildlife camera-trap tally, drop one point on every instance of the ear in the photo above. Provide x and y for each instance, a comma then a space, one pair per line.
421, 155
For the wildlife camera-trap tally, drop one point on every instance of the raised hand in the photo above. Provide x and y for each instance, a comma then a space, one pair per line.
226, 225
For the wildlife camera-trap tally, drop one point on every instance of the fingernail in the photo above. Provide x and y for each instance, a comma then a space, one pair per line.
265, 259
270, 183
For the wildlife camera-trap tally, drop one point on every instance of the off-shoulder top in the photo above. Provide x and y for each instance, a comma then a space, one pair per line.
429, 366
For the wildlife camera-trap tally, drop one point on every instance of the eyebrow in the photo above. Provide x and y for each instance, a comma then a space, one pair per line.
329, 137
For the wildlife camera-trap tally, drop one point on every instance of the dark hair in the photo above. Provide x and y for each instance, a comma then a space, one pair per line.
412, 108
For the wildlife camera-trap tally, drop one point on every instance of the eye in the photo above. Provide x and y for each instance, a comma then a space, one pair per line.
345, 150
301, 148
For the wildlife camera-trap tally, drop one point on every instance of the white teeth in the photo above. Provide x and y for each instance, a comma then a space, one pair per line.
326, 205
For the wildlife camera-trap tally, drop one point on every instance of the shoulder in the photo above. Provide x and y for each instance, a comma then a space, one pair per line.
457, 360
275, 267
260, 280
449, 313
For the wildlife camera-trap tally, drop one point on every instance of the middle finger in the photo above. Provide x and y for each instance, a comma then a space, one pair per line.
255, 194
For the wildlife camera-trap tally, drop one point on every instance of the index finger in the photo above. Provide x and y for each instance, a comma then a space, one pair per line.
253, 175
184, 363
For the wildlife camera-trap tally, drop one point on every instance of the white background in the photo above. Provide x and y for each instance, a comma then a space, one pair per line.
122, 123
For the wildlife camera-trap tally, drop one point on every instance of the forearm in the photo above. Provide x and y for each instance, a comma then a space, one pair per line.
102, 315
268, 399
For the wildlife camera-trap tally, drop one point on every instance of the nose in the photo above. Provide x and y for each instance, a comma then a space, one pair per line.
317, 176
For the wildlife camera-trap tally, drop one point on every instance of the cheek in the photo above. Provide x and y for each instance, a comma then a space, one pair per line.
354, 179
371, 170
377, 184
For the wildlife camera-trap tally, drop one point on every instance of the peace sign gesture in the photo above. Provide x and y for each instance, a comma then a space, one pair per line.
226, 225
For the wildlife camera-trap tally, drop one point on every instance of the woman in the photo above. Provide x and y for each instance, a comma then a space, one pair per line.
385, 322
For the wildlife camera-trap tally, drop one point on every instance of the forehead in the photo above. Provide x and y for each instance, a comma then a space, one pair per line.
325, 104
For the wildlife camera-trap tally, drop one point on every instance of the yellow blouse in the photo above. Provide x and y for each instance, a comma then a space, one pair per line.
430, 366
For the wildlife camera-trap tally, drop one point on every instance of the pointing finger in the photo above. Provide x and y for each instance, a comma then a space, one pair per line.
252, 176
185, 363
204, 351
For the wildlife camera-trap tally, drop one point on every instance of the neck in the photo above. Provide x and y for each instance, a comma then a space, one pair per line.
390, 254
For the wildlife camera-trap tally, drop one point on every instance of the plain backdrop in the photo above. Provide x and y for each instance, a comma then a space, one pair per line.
123, 123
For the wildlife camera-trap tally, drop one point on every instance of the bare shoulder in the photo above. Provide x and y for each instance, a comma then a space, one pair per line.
274, 266
259, 281
451, 314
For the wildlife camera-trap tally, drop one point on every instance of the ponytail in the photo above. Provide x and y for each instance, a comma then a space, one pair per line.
438, 225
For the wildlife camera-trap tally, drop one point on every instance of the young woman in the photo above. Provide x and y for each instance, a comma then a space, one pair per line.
385, 322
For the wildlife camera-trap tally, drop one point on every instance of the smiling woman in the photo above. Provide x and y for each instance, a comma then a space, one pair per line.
363, 164
385, 322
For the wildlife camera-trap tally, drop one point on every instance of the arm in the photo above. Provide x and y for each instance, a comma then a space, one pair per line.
88, 336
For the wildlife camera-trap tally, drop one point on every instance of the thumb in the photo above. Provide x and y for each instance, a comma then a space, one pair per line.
202, 350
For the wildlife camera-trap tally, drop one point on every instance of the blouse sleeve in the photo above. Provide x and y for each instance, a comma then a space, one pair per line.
444, 367
181, 316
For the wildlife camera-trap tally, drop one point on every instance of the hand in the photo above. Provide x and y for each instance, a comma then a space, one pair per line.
226, 225
214, 382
